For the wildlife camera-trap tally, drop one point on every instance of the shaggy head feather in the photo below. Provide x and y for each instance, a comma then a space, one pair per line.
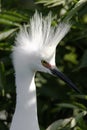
39, 40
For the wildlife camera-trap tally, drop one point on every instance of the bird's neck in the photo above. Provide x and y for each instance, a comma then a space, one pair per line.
25, 116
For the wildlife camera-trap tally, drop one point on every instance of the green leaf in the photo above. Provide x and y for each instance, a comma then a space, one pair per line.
5, 47
71, 57
79, 120
60, 124
5, 34
76, 105
84, 97
80, 115
67, 105
51, 3
8, 22
12, 16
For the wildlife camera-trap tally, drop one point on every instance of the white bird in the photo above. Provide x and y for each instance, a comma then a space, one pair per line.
34, 50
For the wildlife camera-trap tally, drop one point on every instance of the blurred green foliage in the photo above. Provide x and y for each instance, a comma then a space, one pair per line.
59, 107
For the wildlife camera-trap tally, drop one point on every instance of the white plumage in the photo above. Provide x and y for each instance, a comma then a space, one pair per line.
33, 45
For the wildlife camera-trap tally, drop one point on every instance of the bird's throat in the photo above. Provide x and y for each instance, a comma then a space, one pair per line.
25, 116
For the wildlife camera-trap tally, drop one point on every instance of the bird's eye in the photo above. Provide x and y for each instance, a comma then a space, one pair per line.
43, 62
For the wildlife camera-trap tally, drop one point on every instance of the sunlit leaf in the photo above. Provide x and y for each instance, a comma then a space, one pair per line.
59, 125
8, 22
80, 115
5, 34
51, 3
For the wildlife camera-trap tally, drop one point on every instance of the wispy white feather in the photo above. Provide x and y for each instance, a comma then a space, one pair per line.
41, 33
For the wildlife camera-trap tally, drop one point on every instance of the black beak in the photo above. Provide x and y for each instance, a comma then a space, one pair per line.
59, 74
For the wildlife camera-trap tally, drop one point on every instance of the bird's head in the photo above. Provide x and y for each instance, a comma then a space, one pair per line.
31, 57
36, 46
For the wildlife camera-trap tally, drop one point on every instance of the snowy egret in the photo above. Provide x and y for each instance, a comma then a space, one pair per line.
34, 51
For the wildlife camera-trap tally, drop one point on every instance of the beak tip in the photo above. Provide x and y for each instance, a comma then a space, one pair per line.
59, 74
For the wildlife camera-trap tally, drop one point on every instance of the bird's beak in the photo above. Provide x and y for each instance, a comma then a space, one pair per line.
54, 70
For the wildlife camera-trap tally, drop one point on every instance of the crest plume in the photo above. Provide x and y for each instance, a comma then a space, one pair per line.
40, 32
